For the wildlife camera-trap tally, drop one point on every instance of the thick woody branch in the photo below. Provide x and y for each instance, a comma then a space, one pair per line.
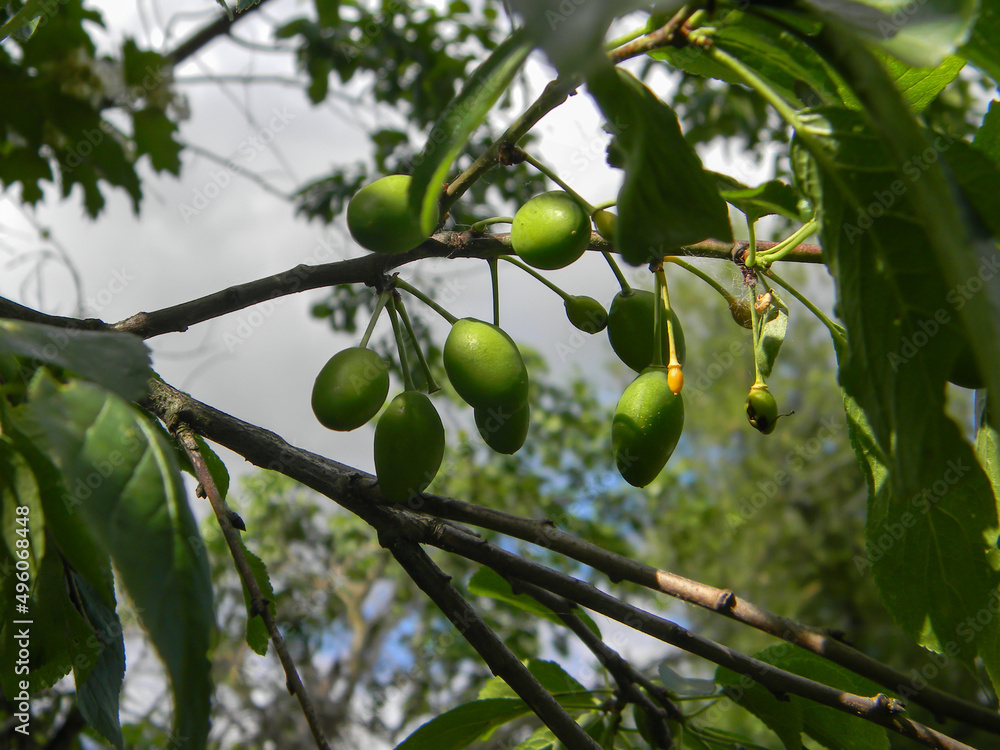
259, 604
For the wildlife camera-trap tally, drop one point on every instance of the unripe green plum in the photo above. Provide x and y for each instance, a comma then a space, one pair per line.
350, 389
630, 329
606, 224
485, 366
504, 432
409, 446
380, 218
762, 409
586, 313
550, 231
647, 424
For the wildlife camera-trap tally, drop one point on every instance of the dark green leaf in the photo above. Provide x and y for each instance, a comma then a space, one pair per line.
982, 49
781, 717
461, 726
153, 133
487, 582
99, 677
677, 683
771, 197
668, 199
987, 137
117, 361
550, 676
462, 115
137, 510
21, 507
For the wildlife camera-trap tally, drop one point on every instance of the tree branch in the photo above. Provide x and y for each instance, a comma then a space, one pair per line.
723, 601
357, 492
206, 34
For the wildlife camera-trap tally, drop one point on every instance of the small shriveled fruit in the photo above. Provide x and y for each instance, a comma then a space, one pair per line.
550, 231
762, 409
350, 389
504, 432
485, 366
586, 313
647, 424
606, 224
630, 329
409, 446
380, 218
740, 310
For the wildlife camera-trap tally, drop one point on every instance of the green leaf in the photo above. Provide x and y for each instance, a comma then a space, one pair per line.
920, 34
932, 517
28, 13
773, 324
487, 582
462, 116
978, 179
681, 685
668, 199
982, 49
99, 675
987, 138
119, 362
153, 133
920, 86
550, 676
781, 717
771, 197
216, 467
21, 507
463, 725
257, 635
138, 512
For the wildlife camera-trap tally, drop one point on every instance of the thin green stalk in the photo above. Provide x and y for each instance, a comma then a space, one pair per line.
432, 386
788, 244
400, 284
479, 226
400, 347
558, 181
495, 283
757, 323
663, 290
702, 275
379, 304
751, 257
658, 320
837, 331
622, 281
528, 269
624, 38
605, 204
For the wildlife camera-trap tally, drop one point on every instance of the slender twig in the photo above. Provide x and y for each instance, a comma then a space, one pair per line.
625, 675
258, 604
206, 34
356, 491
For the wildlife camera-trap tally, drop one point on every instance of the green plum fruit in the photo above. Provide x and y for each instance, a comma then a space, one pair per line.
485, 366
762, 409
647, 424
550, 231
504, 432
586, 313
350, 389
630, 329
409, 446
606, 224
380, 218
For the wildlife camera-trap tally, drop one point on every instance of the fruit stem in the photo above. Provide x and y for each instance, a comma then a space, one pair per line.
658, 314
533, 272
788, 244
622, 281
751, 257
675, 378
479, 226
558, 181
606, 204
495, 283
400, 347
836, 330
624, 38
757, 324
400, 284
432, 386
379, 304
712, 282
